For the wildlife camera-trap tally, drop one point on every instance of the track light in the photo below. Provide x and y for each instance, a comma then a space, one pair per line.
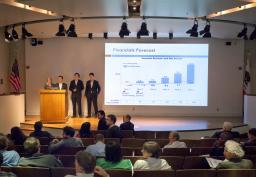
71, 32
193, 31
124, 31
253, 35
154, 35
62, 31
25, 33
8, 36
170, 35
243, 33
90, 35
105, 35
15, 35
143, 30
206, 31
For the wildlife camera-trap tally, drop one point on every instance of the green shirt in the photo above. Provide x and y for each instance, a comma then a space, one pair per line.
123, 164
236, 164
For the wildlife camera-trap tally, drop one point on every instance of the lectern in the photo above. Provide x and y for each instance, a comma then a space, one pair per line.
53, 106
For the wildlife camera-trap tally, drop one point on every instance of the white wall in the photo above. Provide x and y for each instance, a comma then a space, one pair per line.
4, 63
66, 56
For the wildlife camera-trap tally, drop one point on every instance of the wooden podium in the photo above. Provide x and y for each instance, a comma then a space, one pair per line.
53, 106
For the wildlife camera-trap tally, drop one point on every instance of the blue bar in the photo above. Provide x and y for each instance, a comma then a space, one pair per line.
177, 78
165, 80
190, 73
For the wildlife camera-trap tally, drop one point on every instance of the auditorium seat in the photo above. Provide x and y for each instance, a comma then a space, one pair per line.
191, 142
195, 162
252, 158
28, 171
145, 134
207, 142
154, 173
127, 133
62, 171
44, 140
118, 173
176, 162
69, 150
137, 151
200, 151
176, 152
162, 134
95, 132
235, 173
88, 141
196, 173
250, 150
67, 160
127, 151
107, 140
161, 142
132, 142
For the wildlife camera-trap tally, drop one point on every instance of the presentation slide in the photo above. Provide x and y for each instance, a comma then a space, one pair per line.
156, 74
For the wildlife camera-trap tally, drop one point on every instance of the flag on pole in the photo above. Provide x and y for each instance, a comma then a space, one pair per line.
15, 76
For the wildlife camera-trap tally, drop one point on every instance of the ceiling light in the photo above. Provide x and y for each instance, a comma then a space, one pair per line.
71, 32
90, 35
8, 36
105, 35
253, 35
206, 31
243, 33
62, 31
124, 31
143, 30
193, 31
25, 33
14, 34
154, 35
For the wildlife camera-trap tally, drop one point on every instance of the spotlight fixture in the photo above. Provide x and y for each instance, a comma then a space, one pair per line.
105, 35
243, 33
71, 32
193, 31
62, 31
206, 31
253, 35
170, 35
90, 35
25, 33
143, 30
15, 34
124, 31
8, 36
154, 35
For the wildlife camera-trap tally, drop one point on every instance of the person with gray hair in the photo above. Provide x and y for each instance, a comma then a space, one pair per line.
227, 127
174, 142
234, 154
34, 158
3, 173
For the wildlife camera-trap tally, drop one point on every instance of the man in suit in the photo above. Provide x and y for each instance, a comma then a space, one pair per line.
76, 86
91, 92
60, 85
127, 125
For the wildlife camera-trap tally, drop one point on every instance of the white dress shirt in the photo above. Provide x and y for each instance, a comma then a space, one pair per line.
176, 144
60, 86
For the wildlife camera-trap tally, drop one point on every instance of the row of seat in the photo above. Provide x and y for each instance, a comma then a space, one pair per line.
61, 172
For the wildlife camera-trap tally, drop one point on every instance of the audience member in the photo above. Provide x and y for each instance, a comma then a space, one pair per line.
113, 158
227, 127
251, 137
37, 133
85, 165
102, 124
219, 144
3, 173
10, 158
97, 149
67, 141
234, 154
17, 136
174, 142
151, 152
113, 130
127, 125
34, 158
85, 131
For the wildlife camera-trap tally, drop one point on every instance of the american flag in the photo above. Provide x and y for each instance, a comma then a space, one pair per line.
15, 76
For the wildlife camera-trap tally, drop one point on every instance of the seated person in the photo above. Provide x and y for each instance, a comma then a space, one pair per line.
227, 127
17, 136
219, 144
85, 131
234, 154
37, 133
113, 131
34, 158
151, 152
10, 158
3, 173
102, 124
127, 125
113, 158
174, 142
97, 149
251, 137
67, 141
85, 165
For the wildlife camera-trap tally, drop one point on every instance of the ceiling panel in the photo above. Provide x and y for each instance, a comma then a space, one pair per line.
186, 8
82, 8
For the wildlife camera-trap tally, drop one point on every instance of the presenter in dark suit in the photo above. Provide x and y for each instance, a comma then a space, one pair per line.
91, 92
76, 86
61, 85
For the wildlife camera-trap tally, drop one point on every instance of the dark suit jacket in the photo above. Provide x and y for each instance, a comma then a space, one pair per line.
64, 86
102, 124
127, 126
113, 132
234, 134
95, 89
79, 87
